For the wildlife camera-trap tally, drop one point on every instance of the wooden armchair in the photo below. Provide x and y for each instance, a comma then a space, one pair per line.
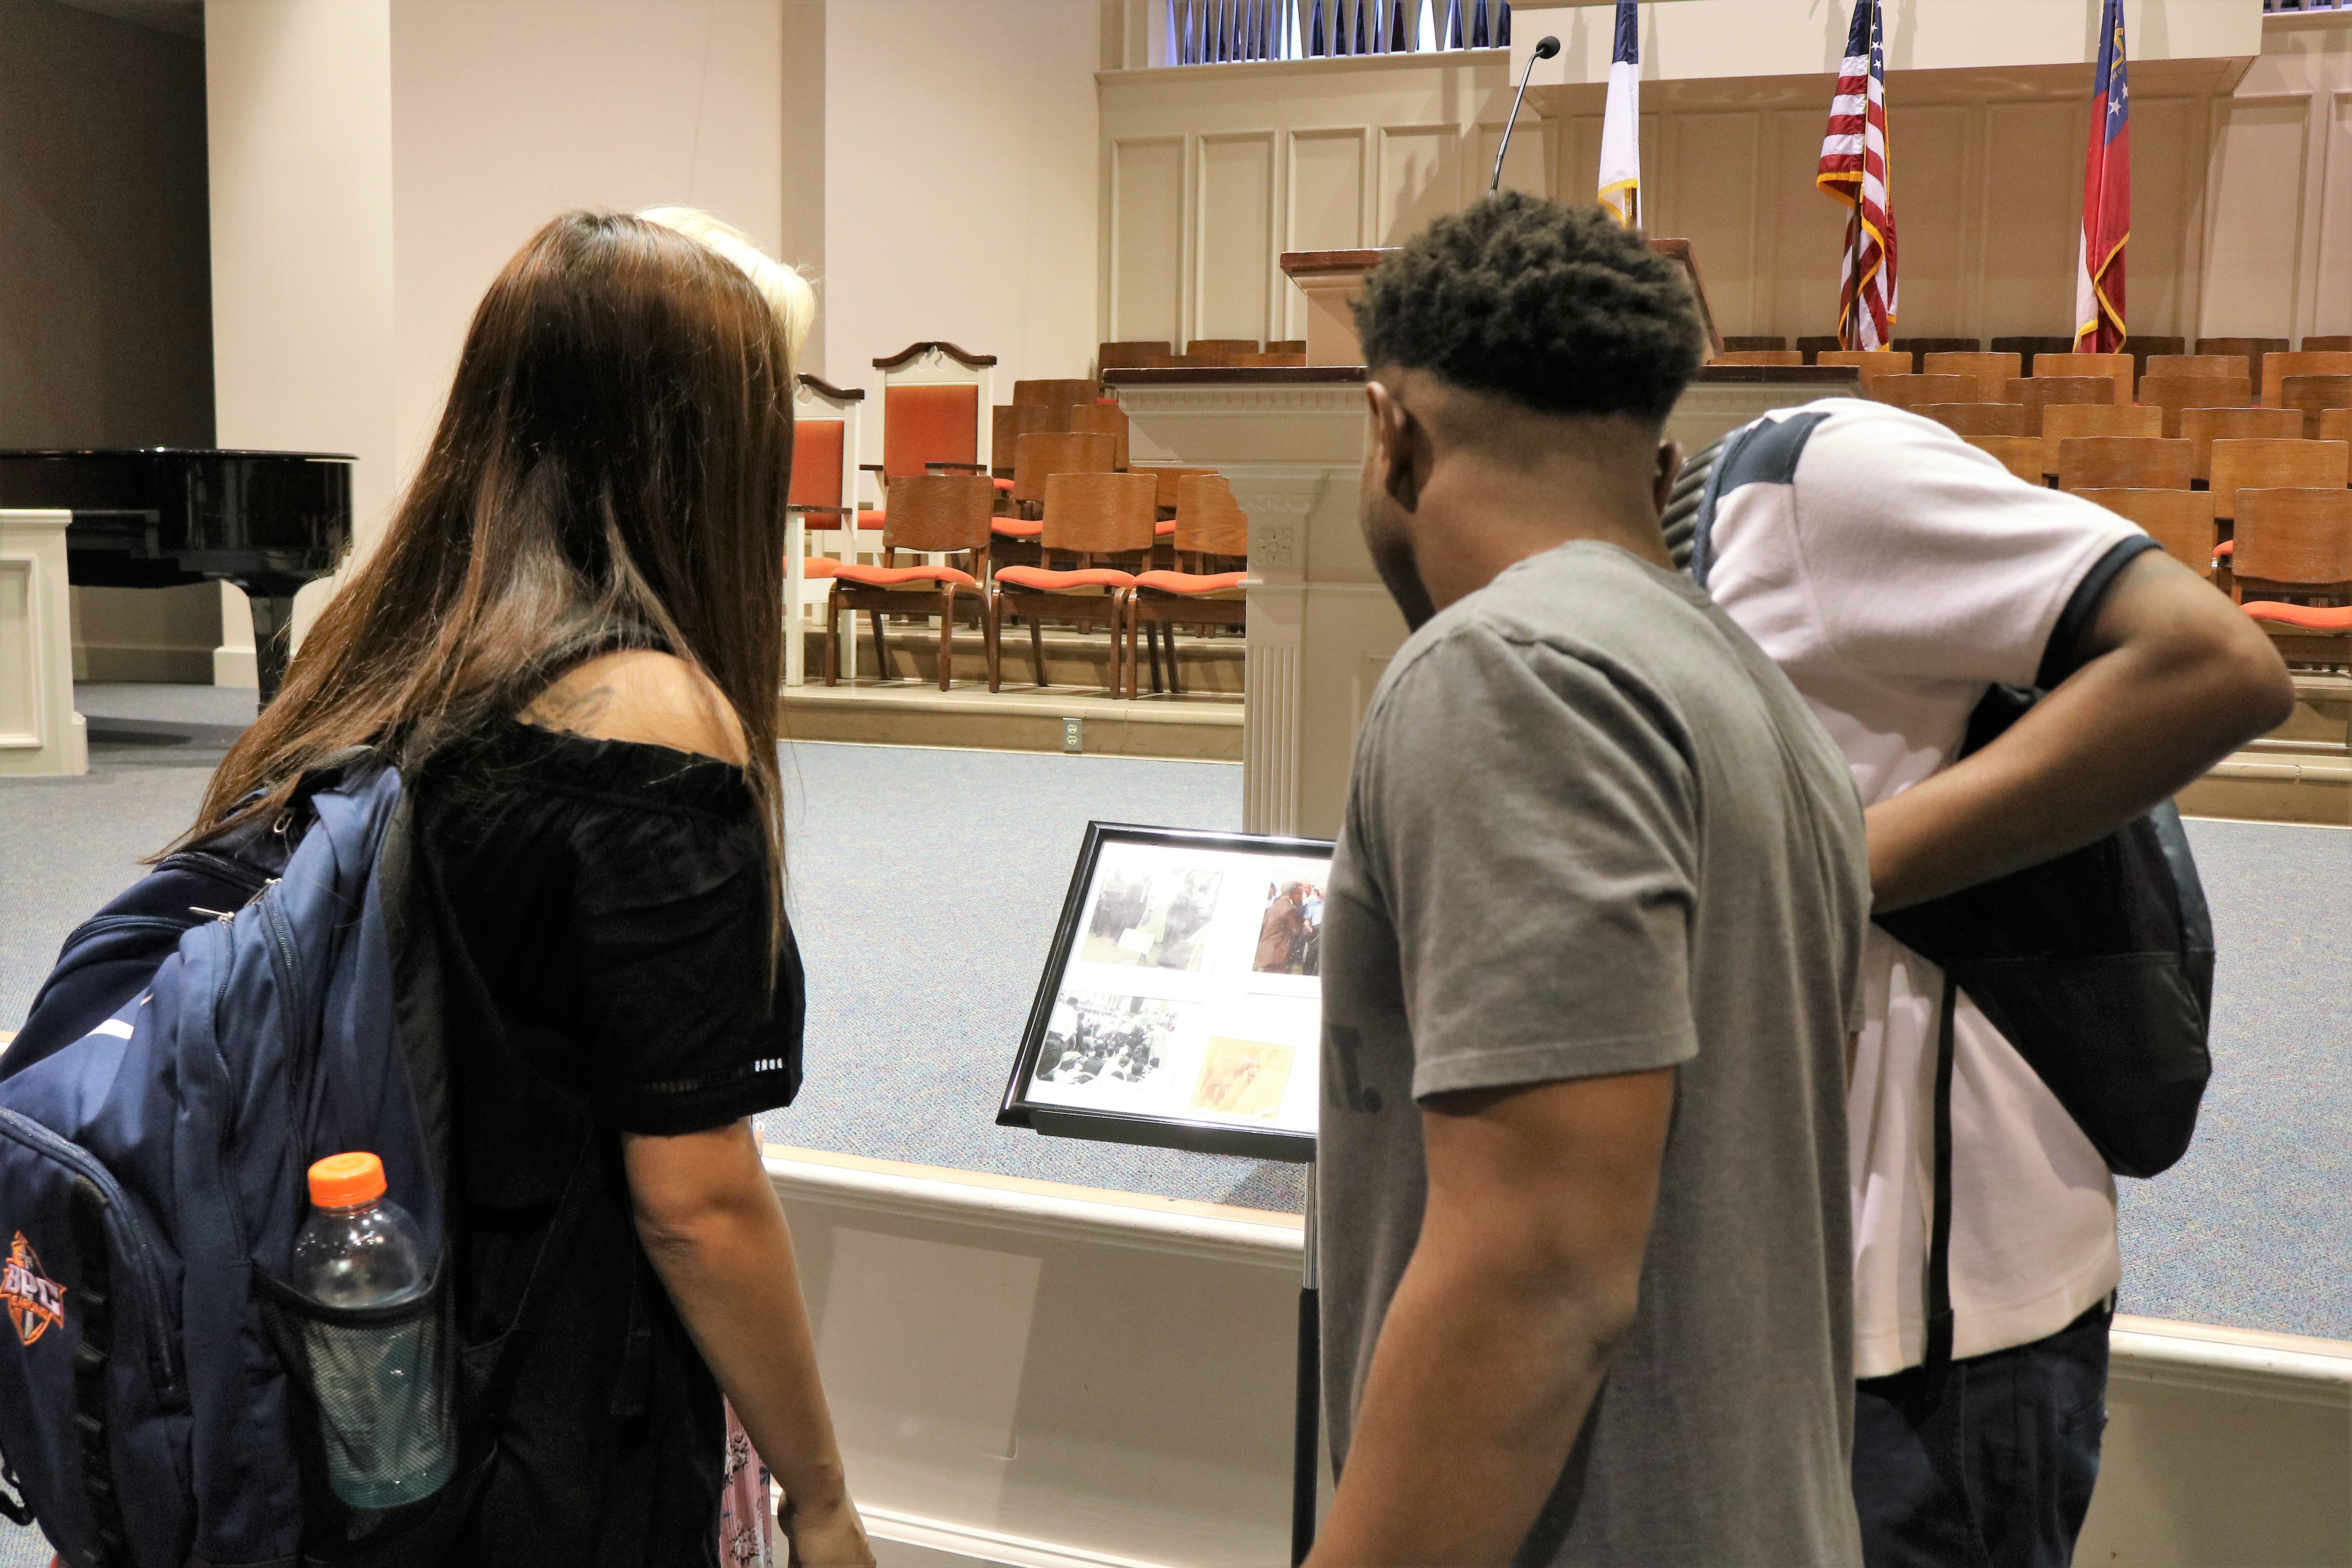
2180, 521
931, 514
1975, 419
2122, 462
1991, 372
2200, 428
2067, 421
1092, 518
936, 412
1036, 458
2118, 369
2293, 543
821, 504
1212, 544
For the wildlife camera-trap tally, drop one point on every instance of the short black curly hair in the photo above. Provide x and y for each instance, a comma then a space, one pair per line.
1556, 308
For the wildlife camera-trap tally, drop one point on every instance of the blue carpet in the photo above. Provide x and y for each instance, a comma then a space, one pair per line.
924, 885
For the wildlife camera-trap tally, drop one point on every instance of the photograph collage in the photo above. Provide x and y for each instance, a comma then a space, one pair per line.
1192, 991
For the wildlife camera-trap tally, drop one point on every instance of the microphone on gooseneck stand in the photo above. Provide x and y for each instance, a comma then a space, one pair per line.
1545, 48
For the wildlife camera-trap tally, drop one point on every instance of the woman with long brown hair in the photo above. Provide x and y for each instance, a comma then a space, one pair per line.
569, 641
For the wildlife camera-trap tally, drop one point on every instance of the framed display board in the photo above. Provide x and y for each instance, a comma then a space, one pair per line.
1181, 1004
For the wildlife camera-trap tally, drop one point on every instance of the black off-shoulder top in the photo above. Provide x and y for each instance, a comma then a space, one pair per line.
602, 911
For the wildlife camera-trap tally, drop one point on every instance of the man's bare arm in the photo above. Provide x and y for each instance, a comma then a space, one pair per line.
1527, 1271
2176, 679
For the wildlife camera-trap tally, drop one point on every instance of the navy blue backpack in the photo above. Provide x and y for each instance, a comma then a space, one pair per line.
230, 1019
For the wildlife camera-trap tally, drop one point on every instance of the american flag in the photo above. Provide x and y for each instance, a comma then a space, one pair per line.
1854, 169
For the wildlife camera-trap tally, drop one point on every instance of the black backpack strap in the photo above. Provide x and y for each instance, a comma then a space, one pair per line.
1939, 1231
90, 1359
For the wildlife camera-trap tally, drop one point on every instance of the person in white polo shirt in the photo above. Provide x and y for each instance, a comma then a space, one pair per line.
1894, 573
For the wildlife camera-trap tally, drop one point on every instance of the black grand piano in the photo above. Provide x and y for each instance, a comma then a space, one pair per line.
158, 517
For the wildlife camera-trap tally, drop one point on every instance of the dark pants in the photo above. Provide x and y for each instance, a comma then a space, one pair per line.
1998, 1473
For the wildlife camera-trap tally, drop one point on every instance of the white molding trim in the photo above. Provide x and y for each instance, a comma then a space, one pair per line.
2263, 1366
986, 1545
1041, 1214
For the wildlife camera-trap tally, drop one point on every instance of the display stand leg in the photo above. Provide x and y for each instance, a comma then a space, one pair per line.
1306, 1428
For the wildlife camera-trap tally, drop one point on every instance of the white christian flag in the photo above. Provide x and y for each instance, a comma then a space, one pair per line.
1620, 126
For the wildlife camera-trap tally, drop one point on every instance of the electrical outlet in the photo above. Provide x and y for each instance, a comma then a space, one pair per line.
1074, 735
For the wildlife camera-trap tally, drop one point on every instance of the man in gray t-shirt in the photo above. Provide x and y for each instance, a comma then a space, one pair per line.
1592, 942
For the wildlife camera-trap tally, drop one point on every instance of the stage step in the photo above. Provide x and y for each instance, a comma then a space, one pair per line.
2301, 772
1024, 718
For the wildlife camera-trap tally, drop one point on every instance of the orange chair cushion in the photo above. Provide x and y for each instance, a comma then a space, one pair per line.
858, 576
1191, 582
928, 424
2226, 549
869, 518
1063, 582
815, 567
1163, 529
816, 462
1001, 482
2309, 617
1015, 527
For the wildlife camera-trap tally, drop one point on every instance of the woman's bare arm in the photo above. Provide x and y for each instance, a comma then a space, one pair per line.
717, 1235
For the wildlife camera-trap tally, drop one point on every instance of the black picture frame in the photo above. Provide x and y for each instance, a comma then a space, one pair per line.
1199, 1136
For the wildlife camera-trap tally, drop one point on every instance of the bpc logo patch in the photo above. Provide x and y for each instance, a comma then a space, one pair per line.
36, 1303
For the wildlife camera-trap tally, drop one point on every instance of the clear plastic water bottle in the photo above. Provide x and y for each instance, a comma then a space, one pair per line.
383, 1404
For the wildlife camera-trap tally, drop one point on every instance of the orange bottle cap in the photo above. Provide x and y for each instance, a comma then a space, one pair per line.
346, 1181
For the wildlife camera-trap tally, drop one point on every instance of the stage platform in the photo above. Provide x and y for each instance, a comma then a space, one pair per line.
1203, 724
2301, 772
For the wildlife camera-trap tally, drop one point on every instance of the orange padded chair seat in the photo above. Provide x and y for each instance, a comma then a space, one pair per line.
869, 518
2307, 617
1002, 482
901, 576
2223, 551
1164, 530
1191, 582
814, 567
1051, 582
1015, 527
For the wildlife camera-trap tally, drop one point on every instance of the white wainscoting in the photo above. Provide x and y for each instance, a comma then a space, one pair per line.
1054, 1377
40, 733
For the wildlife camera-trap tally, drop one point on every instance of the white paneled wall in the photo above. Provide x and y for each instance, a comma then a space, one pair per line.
1210, 173
2242, 211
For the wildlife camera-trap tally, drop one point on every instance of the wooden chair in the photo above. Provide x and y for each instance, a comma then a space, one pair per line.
2315, 394
1012, 421
1107, 419
2233, 365
2021, 455
1270, 361
1036, 458
1991, 372
2180, 521
2277, 367
2143, 350
2269, 465
1213, 543
1920, 348
931, 514
2254, 351
2306, 634
821, 505
1221, 346
2026, 349
2200, 428
1909, 390
1285, 345
1131, 352
1871, 362
2065, 421
2293, 543
2116, 368
1171, 477
2336, 346
1056, 396
1758, 356
2171, 393
1975, 419
2122, 462
936, 412
1813, 348
1087, 515
2039, 392
2335, 424
1753, 344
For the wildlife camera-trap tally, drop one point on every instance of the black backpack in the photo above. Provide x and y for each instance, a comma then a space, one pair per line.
2096, 965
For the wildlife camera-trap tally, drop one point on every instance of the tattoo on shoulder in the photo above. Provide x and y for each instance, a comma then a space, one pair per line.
558, 710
